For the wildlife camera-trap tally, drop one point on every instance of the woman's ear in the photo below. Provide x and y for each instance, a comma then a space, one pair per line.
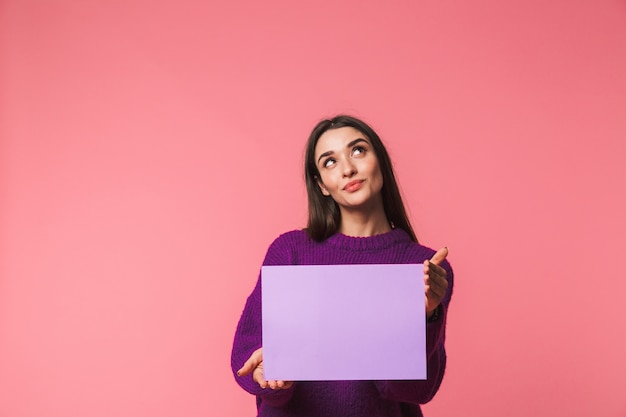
323, 187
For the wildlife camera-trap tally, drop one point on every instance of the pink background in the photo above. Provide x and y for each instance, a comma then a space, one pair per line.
150, 152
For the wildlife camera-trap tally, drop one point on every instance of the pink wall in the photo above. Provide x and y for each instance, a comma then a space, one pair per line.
149, 154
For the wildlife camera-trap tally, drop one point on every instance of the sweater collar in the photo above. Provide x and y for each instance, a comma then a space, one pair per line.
369, 243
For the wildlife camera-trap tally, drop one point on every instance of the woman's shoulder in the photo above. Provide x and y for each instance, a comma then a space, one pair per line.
291, 238
283, 250
424, 250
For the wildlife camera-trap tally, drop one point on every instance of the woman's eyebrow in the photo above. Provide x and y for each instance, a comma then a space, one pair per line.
349, 145
355, 141
327, 153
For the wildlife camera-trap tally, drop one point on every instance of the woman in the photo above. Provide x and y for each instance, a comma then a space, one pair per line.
356, 216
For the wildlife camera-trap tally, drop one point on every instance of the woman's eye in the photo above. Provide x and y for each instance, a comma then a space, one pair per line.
358, 150
329, 162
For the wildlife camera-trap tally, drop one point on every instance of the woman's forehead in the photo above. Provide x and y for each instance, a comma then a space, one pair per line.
337, 139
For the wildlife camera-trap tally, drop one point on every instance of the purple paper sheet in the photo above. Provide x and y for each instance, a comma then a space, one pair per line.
343, 322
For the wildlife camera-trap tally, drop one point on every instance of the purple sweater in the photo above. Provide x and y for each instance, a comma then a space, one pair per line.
343, 398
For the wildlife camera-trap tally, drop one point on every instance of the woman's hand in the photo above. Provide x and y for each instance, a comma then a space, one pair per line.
255, 365
435, 281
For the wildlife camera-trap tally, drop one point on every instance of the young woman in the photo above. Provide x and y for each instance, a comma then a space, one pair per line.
356, 216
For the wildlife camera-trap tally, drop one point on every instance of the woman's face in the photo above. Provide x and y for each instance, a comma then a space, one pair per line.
348, 168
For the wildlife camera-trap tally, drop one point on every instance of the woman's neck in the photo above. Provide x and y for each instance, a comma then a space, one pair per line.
364, 223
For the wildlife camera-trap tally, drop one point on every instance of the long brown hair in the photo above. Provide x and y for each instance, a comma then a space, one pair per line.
324, 215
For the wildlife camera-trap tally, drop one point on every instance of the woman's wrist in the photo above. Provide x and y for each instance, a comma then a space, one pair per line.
433, 315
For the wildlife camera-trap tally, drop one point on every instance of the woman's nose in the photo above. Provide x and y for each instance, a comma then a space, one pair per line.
349, 169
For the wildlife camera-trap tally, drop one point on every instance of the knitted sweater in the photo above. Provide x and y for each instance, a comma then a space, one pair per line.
343, 398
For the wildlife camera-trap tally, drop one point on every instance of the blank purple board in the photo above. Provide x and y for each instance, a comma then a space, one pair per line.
343, 322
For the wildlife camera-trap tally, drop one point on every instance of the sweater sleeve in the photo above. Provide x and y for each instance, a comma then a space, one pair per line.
248, 336
422, 391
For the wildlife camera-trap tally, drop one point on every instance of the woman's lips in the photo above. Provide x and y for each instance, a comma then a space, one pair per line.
353, 186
